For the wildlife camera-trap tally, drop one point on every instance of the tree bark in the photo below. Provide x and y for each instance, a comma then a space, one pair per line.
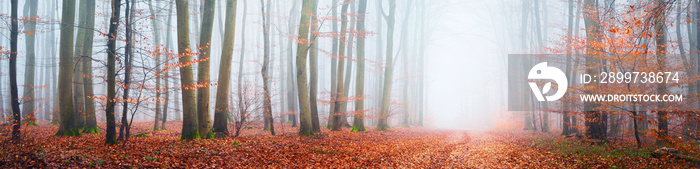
386, 91
358, 122
168, 67
337, 112
660, 37
110, 137
30, 65
313, 72
204, 47
595, 127
305, 127
76, 68
189, 124
156, 56
128, 62
90, 118
267, 105
334, 70
14, 98
221, 109
65, 76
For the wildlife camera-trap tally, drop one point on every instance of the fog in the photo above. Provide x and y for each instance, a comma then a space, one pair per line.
464, 45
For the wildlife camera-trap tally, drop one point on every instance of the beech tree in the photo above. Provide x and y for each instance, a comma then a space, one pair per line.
30, 65
358, 122
386, 91
339, 98
221, 109
267, 105
90, 118
203, 70
189, 111
305, 127
68, 126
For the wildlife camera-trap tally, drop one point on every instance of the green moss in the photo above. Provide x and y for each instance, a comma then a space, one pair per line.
210, 135
92, 130
69, 132
356, 129
194, 135
306, 133
141, 135
31, 123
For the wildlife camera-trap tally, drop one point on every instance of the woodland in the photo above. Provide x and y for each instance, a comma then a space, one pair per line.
340, 84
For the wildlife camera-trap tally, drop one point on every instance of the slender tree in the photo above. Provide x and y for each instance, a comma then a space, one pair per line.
203, 70
267, 105
110, 137
334, 69
313, 72
386, 91
189, 111
594, 119
221, 109
341, 62
128, 62
77, 69
156, 56
660, 37
167, 76
16, 115
90, 119
30, 64
358, 122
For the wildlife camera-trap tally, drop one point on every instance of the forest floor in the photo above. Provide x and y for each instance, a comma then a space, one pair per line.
396, 148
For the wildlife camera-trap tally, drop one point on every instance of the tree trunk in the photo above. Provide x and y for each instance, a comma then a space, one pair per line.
16, 115
189, 111
68, 126
90, 119
156, 56
348, 70
404, 48
358, 121
204, 120
76, 68
305, 127
292, 105
313, 72
241, 103
30, 65
128, 62
167, 76
334, 70
111, 73
222, 108
594, 119
267, 105
337, 112
386, 91
660, 37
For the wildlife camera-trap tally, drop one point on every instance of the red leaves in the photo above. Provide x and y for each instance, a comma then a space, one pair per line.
398, 148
